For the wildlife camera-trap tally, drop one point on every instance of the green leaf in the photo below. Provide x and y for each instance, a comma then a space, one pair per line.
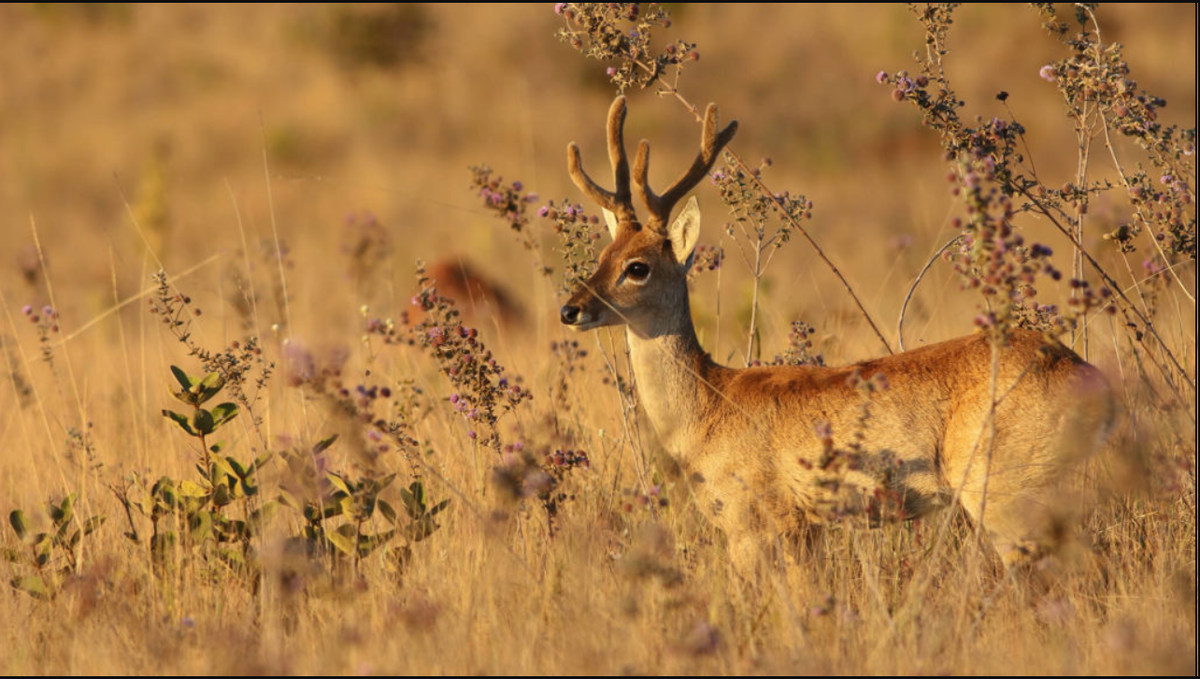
312, 513
62, 513
362, 507
32, 585
43, 547
231, 531
222, 496
330, 508
422, 528
224, 413
182, 377
413, 498
248, 488
192, 505
181, 420
212, 384
237, 467
192, 489
60, 535
384, 482
439, 507
388, 511
165, 491
263, 459
290, 500
346, 502
16, 518
202, 421
217, 447
213, 381
67, 509
200, 526
368, 543
324, 444
339, 483
344, 543
222, 473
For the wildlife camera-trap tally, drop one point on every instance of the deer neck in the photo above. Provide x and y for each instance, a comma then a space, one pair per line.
669, 366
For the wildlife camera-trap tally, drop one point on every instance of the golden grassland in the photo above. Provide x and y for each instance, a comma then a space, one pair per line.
231, 147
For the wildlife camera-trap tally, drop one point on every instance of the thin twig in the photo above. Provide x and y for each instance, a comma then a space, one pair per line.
916, 282
794, 223
1111, 283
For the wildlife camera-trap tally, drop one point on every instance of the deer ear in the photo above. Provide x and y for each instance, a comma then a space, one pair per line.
611, 220
685, 231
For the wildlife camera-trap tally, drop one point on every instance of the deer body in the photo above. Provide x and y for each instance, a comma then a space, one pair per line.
763, 443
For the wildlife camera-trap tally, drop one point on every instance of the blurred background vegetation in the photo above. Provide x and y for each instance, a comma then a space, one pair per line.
331, 144
381, 109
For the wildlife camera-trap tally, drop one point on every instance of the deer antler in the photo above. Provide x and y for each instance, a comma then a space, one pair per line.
711, 143
620, 200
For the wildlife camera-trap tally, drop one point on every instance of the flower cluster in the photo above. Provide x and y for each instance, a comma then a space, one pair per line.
386, 329
800, 347
706, 258
521, 475
46, 323
650, 499
579, 238
995, 181
483, 391
754, 210
620, 33
508, 201
1099, 91
992, 257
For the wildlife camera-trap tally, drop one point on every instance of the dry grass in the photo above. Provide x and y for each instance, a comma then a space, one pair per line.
180, 104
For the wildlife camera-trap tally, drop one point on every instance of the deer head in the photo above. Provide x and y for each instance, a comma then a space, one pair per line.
641, 278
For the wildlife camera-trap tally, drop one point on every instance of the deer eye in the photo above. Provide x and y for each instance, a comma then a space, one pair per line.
637, 271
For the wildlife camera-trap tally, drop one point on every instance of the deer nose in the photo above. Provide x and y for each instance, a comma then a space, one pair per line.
569, 314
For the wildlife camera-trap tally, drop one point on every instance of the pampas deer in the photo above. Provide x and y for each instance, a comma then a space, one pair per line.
993, 428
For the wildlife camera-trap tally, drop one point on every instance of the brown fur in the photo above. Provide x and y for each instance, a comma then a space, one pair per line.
478, 297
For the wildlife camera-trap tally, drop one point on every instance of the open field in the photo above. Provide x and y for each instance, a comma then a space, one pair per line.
286, 167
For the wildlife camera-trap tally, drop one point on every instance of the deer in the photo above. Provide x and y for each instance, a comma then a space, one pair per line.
997, 426
478, 296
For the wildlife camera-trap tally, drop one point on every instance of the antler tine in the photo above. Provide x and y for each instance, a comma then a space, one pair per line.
619, 201
711, 143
